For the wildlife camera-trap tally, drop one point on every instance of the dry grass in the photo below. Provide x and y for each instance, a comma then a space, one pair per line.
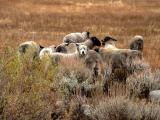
120, 108
46, 22
27, 93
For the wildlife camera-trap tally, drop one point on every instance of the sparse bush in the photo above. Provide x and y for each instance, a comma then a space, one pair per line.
79, 110
143, 111
139, 85
137, 66
72, 76
112, 109
120, 108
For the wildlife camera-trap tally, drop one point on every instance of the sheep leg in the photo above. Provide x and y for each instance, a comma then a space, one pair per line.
107, 81
95, 72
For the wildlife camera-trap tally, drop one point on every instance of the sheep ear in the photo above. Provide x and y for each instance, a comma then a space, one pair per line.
66, 44
41, 47
77, 44
88, 33
114, 39
97, 49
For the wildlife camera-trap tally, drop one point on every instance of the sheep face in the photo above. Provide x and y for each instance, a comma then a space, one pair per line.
137, 45
95, 41
82, 49
108, 39
23, 48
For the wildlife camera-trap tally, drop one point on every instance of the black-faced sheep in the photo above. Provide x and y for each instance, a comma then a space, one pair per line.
76, 37
92, 42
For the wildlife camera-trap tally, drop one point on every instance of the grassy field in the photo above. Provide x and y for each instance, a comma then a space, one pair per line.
28, 94
47, 22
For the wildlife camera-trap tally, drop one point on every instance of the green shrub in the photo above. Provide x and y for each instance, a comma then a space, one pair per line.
27, 93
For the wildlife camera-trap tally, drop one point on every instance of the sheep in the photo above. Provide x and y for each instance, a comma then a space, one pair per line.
154, 95
111, 51
79, 53
51, 49
62, 48
44, 56
93, 61
71, 48
55, 57
92, 42
29, 47
109, 42
46, 53
116, 59
76, 37
137, 43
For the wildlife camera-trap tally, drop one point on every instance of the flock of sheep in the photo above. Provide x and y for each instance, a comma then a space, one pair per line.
94, 52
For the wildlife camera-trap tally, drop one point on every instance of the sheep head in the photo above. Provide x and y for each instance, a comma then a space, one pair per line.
108, 39
95, 41
82, 49
137, 43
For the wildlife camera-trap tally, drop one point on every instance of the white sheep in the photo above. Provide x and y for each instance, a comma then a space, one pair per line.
48, 57
76, 37
51, 49
80, 52
45, 52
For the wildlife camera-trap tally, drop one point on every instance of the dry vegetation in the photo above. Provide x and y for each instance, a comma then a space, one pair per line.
27, 93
